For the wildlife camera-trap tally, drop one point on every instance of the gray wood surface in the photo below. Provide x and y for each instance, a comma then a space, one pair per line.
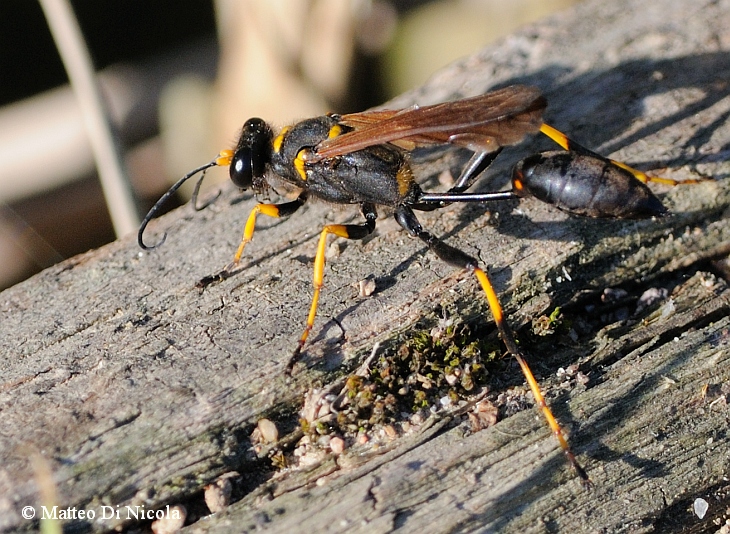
139, 389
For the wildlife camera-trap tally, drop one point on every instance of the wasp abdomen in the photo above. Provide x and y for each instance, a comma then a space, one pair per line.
585, 185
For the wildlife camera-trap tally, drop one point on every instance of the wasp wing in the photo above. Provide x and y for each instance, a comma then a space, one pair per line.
484, 122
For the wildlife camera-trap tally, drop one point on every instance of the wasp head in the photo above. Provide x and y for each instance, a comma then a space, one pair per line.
252, 153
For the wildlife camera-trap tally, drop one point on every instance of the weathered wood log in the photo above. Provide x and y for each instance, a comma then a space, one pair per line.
139, 389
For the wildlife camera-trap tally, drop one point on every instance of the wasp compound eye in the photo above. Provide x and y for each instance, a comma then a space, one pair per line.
241, 168
248, 164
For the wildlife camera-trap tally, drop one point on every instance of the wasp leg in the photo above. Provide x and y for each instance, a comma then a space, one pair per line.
348, 231
453, 256
569, 144
272, 210
478, 163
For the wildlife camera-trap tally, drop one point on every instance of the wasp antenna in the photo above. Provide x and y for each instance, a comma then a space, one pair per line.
196, 191
156, 208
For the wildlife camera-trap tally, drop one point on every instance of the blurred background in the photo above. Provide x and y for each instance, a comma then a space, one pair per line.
178, 79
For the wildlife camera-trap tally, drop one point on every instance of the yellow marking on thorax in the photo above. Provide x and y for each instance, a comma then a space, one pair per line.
279, 139
404, 177
299, 163
334, 131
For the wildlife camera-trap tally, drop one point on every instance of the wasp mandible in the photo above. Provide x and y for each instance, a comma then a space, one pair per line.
363, 159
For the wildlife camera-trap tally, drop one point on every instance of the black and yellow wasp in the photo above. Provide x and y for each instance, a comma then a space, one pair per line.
363, 158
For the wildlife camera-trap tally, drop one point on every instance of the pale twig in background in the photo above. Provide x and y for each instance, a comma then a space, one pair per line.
77, 61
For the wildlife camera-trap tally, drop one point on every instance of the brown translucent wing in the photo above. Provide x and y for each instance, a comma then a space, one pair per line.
484, 122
